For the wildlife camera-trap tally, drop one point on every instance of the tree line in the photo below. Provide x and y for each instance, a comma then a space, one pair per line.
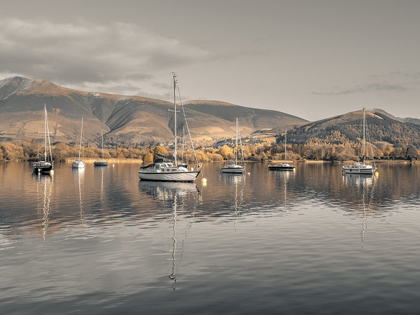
31, 150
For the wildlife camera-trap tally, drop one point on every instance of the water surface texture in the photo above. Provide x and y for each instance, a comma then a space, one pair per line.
100, 241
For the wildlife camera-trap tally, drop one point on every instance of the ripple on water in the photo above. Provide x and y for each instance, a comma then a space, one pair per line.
103, 243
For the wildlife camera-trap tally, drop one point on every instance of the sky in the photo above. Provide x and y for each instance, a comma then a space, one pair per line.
312, 59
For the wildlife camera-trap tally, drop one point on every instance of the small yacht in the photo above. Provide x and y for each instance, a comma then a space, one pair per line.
167, 168
44, 166
101, 162
282, 166
235, 168
361, 168
78, 163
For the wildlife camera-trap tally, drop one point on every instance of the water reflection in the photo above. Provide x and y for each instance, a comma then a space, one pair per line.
44, 192
177, 194
150, 238
238, 182
79, 176
365, 185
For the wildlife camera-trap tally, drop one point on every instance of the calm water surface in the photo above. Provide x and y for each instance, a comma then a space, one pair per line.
310, 241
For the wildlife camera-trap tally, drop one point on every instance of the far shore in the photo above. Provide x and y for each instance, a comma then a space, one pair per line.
139, 161
113, 160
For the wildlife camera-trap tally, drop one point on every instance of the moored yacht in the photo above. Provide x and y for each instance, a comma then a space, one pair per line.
44, 166
235, 168
167, 168
101, 162
78, 163
361, 168
282, 166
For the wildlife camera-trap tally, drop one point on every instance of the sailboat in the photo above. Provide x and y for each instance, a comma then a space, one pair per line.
282, 166
79, 164
44, 166
361, 168
167, 168
101, 162
235, 168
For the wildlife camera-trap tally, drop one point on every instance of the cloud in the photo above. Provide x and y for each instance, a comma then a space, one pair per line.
163, 86
116, 57
366, 88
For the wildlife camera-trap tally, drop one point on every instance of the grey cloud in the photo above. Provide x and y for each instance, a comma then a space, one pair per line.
163, 86
366, 88
117, 56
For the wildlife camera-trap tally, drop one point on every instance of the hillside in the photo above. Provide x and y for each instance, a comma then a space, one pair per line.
123, 118
383, 129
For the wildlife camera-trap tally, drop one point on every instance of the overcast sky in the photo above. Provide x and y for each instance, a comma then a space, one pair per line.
313, 59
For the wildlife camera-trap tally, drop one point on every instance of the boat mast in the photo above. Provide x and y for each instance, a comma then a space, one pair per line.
285, 141
236, 150
364, 135
183, 144
81, 136
45, 133
102, 133
175, 126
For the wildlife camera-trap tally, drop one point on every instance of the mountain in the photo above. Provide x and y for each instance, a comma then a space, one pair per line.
123, 118
415, 121
383, 128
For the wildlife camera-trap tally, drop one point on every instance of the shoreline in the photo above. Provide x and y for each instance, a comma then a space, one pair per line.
112, 160
139, 161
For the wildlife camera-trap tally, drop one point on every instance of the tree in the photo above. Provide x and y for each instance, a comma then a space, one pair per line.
148, 158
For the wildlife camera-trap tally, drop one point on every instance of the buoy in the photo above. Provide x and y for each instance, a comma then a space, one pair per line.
376, 174
249, 173
52, 172
204, 181
113, 165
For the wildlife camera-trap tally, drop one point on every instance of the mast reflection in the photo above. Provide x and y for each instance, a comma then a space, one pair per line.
177, 194
46, 183
283, 177
365, 185
239, 181
79, 175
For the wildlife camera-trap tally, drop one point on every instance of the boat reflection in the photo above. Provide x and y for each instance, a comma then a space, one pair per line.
358, 180
283, 178
79, 176
166, 191
45, 186
232, 178
177, 194
365, 185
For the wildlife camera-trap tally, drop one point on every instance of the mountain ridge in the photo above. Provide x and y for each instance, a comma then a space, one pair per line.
122, 117
346, 129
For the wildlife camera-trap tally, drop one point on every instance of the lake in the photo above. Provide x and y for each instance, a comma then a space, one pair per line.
310, 241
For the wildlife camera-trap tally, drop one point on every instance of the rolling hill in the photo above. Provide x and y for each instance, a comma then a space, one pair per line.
383, 129
123, 118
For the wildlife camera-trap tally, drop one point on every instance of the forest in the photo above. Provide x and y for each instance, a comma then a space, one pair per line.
315, 149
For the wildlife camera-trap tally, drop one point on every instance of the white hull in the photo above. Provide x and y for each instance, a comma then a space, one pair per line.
363, 169
169, 176
78, 164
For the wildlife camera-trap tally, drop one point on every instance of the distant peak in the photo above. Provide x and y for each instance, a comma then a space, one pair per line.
15, 79
208, 102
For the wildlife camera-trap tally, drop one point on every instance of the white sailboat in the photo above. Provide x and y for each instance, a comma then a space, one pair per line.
361, 168
235, 168
282, 166
79, 164
167, 168
44, 166
101, 162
